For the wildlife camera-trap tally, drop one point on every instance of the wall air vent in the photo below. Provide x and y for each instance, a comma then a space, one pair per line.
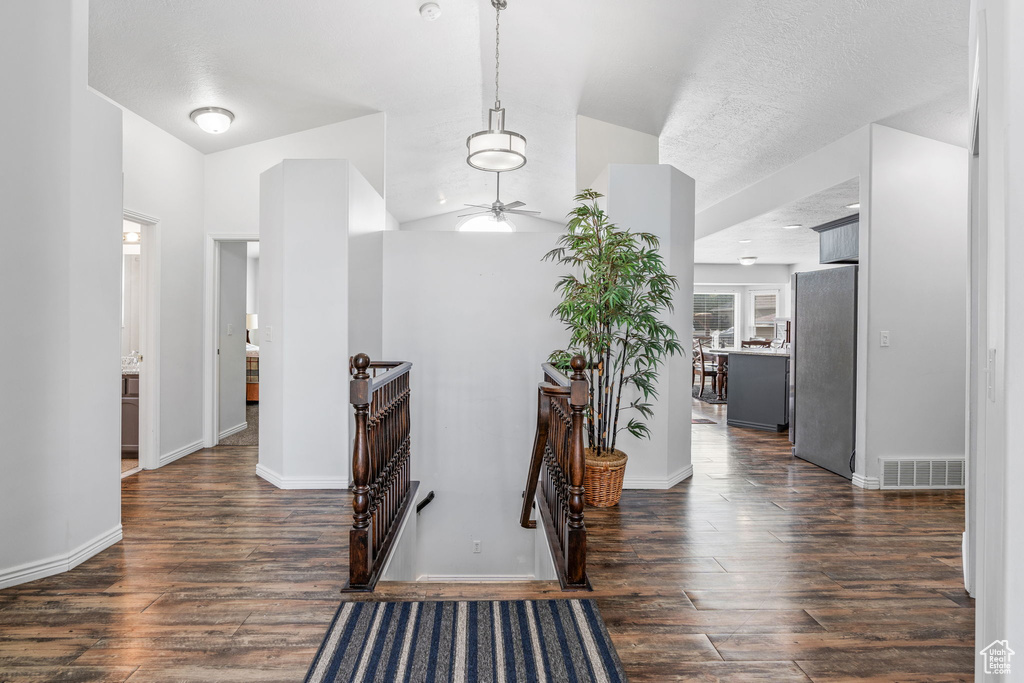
923, 473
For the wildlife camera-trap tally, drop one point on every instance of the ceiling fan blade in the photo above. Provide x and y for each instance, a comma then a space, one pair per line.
479, 206
523, 213
472, 213
515, 205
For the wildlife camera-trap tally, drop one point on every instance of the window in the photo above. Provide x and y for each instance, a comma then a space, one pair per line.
714, 319
764, 307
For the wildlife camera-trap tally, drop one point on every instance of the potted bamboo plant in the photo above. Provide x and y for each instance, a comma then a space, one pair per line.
613, 304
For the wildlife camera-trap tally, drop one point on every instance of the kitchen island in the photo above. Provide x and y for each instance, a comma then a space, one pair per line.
759, 389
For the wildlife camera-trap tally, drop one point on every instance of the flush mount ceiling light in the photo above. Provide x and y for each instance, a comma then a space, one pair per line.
430, 11
131, 237
748, 260
213, 120
496, 149
791, 227
855, 205
746, 241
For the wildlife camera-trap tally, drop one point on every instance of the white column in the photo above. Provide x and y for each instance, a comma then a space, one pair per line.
660, 199
304, 326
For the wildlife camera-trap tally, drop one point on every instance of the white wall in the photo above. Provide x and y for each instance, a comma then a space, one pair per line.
447, 222
163, 178
995, 505
366, 224
734, 274
307, 209
660, 199
59, 409
916, 288
476, 344
599, 144
231, 358
233, 176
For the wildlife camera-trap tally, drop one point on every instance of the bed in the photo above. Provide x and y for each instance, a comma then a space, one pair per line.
252, 372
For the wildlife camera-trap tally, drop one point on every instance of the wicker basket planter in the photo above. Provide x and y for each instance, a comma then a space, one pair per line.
602, 482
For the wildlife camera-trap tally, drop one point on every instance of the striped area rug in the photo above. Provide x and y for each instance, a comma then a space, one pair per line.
473, 642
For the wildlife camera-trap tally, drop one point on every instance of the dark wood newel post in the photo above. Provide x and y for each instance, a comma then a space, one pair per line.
576, 541
360, 560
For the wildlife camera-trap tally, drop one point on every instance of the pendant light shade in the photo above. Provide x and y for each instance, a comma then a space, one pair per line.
496, 149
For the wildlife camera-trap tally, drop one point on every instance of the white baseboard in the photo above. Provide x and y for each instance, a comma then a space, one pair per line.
233, 430
657, 482
30, 571
295, 483
866, 482
168, 458
475, 578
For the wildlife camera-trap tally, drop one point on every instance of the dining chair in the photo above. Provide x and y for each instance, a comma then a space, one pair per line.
703, 367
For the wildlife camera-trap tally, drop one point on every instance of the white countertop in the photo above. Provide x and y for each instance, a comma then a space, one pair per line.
756, 351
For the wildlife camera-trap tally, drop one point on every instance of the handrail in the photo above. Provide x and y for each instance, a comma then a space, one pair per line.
382, 491
558, 451
555, 376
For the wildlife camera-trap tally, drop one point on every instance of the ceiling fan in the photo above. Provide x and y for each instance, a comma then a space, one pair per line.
498, 208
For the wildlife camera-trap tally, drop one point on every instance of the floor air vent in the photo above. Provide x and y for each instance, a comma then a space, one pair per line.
922, 474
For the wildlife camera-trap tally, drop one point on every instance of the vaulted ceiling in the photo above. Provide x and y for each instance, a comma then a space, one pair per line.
736, 89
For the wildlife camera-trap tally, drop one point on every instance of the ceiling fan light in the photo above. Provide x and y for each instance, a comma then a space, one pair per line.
748, 260
487, 223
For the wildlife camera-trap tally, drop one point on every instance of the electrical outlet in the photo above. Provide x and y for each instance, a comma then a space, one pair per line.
884, 338
477, 549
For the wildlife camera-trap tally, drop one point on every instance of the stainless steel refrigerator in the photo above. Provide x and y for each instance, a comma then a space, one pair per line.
823, 382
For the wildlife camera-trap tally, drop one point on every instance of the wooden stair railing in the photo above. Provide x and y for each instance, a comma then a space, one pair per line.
382, 491
558, 465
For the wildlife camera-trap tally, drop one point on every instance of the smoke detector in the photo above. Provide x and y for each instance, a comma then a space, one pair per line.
430, 11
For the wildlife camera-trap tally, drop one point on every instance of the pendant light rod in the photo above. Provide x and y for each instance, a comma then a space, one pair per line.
498, 6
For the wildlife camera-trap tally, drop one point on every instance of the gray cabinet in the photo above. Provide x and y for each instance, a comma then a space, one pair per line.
130, 416
759, 390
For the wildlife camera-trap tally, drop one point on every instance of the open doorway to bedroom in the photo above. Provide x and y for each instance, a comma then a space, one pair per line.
131, 345
238, 338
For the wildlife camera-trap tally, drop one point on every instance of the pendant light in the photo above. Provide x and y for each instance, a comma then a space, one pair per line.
496, 149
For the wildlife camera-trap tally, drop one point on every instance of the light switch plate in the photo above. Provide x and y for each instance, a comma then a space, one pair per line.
268, 333
231, 329
884, 338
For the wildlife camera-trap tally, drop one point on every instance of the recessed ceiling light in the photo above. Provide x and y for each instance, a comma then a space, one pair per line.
855, 205
791, 227
430, 11
213, 120
748, 260
745, 241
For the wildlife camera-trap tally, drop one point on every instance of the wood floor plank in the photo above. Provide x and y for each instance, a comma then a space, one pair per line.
760, 568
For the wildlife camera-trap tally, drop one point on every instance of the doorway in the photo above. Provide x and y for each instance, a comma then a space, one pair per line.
233, 341
131, 347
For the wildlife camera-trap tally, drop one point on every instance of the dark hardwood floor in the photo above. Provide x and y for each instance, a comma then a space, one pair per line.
760, 568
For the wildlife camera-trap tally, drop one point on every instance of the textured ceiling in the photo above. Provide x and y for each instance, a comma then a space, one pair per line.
769, 241
736, 89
